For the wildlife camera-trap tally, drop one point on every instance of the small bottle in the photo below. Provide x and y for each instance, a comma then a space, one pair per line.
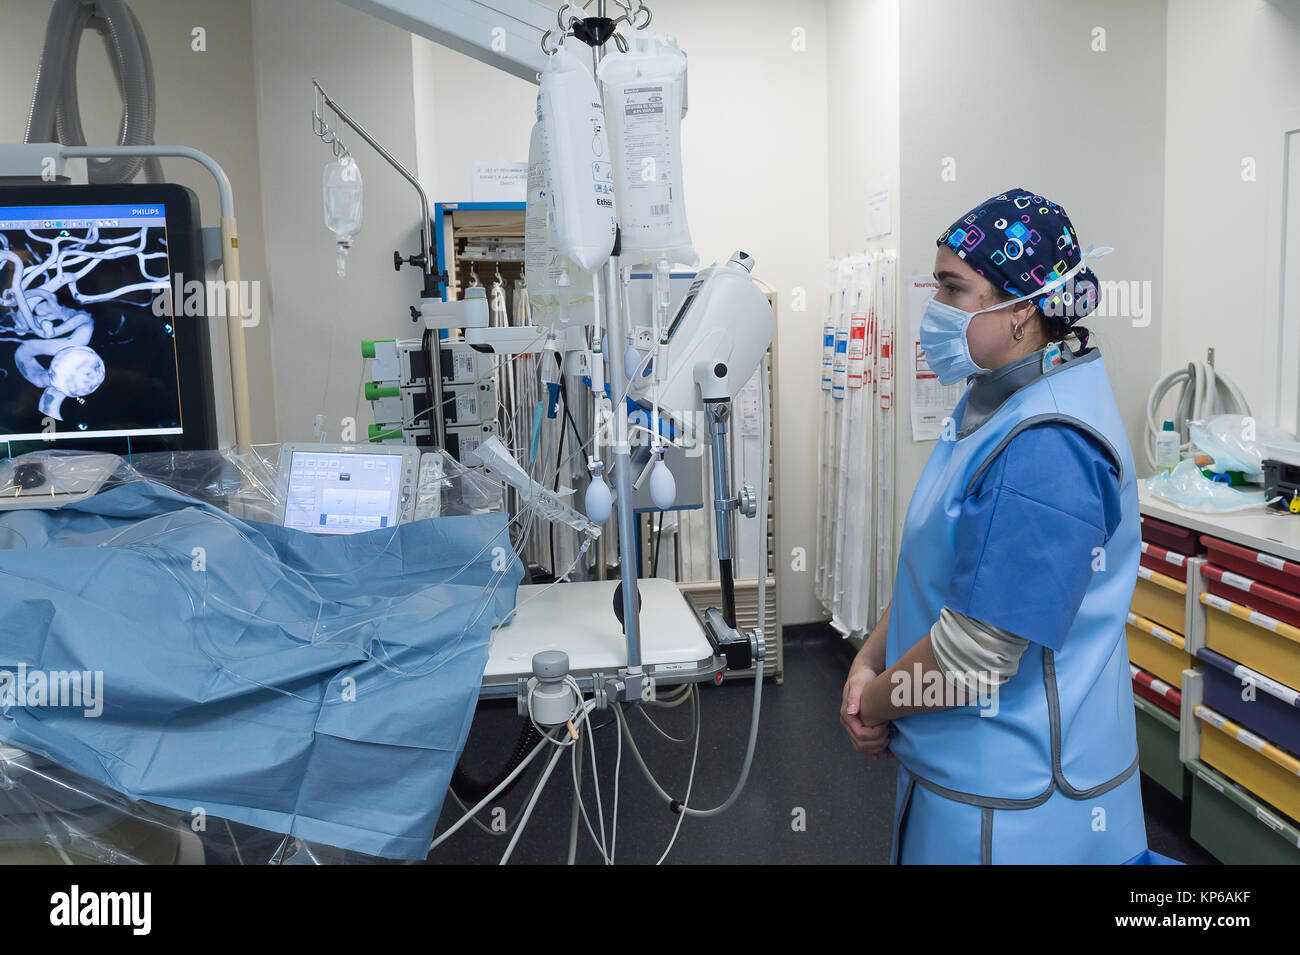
1167, 445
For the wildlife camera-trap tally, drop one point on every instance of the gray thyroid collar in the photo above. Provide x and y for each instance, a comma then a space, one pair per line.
989, 392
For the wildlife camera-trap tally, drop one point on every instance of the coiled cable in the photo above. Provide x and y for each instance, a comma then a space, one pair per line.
55, 114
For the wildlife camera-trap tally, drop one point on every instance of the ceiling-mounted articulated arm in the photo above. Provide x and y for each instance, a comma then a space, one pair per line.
506, 34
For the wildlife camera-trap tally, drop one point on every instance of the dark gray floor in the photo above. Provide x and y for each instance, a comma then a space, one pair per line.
804, 769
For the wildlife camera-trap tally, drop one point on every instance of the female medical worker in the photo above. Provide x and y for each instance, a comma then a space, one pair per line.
1001, 663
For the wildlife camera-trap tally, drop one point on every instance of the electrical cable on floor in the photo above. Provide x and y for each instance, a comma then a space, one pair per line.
690, 780
486, 799
658, 729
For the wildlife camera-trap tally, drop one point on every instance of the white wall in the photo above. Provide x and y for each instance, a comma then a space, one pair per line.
1233, 72
321, 319
466, 113
201, 102
1012, 92
755, 151
862, 91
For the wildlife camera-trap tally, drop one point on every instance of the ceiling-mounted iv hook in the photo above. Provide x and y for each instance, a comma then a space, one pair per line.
551, 51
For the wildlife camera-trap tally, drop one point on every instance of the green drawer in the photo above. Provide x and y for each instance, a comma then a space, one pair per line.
1157, 736
1236, 828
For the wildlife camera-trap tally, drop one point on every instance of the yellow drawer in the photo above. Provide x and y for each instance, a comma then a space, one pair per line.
1161, 599
1157, 649
1272, 647
1270, 773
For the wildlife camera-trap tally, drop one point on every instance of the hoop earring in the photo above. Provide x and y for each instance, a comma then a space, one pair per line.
1019, 333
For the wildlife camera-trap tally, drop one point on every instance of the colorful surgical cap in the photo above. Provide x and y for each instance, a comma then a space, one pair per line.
1022, 242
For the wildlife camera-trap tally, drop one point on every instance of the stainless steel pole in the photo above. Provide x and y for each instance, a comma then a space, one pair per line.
614, 347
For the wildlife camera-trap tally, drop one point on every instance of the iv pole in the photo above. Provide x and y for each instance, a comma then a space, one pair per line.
622, 464
424, 260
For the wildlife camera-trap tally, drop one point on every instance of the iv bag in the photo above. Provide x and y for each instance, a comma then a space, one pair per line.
579, 174
643, 106
342, 187
543, 264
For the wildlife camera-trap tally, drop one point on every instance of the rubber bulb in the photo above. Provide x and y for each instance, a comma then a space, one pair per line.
598, 501
663, 487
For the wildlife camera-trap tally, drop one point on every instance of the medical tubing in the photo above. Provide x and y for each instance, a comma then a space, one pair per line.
669, 702
582, 806
758, 665
1204, 392
618, 770
660, 730
55, 113
690, 779
464, 783
749, 758
532, 802
584, 708
600, 808
640, 761
577, 803
486, 799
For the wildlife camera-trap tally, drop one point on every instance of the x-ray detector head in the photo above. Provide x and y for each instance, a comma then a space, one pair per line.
716, 340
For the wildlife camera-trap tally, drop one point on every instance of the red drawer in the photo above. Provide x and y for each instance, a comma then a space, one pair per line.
1170, 536
1168, 698
1254, 594
1282, 574
1164, 561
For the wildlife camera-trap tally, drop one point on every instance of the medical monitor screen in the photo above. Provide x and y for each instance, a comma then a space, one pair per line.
94, 353
343, 493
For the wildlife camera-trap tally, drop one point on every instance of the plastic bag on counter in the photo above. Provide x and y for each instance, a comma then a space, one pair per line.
1186, 487
1236, 442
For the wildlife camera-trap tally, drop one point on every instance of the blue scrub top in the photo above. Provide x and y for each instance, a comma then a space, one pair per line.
1033, 531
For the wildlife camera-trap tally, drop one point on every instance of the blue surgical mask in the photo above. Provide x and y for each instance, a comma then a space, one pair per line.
943, 332
943, 337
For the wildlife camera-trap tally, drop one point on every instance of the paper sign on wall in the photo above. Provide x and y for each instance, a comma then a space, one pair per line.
500, 182
878, 217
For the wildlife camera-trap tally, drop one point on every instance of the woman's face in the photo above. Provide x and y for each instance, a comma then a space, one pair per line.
989, 335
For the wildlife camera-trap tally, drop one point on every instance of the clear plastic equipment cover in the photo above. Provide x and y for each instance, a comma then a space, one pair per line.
226, 662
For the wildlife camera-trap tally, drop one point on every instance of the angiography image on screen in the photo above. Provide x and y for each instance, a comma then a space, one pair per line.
83, 350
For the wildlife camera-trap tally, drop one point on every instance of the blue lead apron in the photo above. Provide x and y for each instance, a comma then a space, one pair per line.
1051, 776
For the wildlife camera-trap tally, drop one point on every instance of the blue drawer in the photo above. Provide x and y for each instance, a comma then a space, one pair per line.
1274, 713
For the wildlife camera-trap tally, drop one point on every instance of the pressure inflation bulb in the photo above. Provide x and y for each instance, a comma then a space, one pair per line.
663, 487
598, 501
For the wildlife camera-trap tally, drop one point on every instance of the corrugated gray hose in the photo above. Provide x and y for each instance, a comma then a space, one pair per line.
55, 115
